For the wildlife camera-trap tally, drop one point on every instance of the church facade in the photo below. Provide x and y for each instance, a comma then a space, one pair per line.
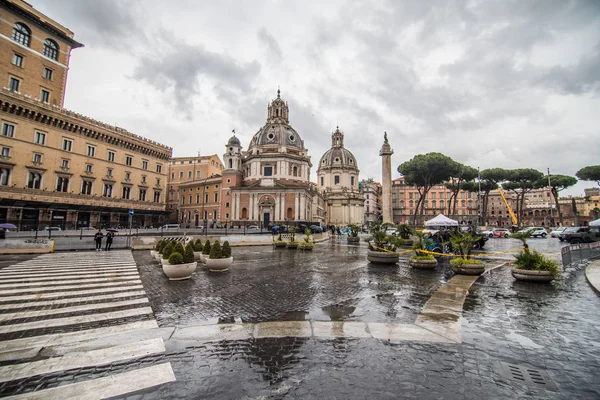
338, 180
269, 183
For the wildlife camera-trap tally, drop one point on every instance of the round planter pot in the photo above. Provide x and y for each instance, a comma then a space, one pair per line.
153, 253
180, 271
468, 269
198, 256
382, 257
218, 264
279, 244
292, 245
532, 276
351, 239
164, 261
157, 256
422, 264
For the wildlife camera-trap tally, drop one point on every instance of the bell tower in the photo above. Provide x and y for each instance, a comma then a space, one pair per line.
233, 153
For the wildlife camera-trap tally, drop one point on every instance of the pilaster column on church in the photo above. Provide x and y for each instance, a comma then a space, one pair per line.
277, 209
302, 215
282, 201
256, 215
251, 206
296, 207
234, 206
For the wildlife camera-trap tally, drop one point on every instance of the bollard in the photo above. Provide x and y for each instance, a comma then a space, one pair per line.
36, 232
81, 234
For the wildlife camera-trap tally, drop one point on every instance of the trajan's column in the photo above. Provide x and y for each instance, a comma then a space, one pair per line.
386, 177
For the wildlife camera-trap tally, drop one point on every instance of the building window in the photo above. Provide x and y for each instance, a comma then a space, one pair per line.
37, 158
268, 171
45, 96
8, 129
142, 195
128, 160
227, 204
21, 34
190, 199
322, 181
144, 164
48, 74
4, 175
62, 184
143, 179
227, 215
351, 181
17, 60
295, 171
40, 138
88, 168
14, 84
336, 179
157, 181
157, 197
107, 191
5, 152
51, 49
109, 172
189, 174
198, 175
216, 197
64, 164
34, 180
86, 187
67, 145
127, 176
206, 197
126, 192
159, 168
180, 174
91, 151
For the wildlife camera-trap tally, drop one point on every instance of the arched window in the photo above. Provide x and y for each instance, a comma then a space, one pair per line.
295, 171
244, 213
51, 49
62, 185
441, 203
410, 203
230, 163
462, 203
290, 214
21, 34
433, 203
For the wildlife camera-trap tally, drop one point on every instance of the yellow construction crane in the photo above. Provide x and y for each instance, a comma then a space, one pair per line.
510, 211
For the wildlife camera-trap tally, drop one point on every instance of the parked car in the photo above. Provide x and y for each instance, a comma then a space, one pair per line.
391, 231
53, 228
500, 233
535, 231
584, 234
570, 230
253, 227
171, 226
488, 233
556, 232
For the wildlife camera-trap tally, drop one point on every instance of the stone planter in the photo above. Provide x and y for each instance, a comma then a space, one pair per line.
351, 239
291, 245
164, 261
468, 269
157, 256
198, 256
306, 247
279, 244
532, 276
382, 257
180, 271
153, 253
218, 264
422, 264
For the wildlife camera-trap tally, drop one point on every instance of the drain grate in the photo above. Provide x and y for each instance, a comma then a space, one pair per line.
527, 375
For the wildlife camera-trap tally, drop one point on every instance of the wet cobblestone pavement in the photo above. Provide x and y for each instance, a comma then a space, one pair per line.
333, 281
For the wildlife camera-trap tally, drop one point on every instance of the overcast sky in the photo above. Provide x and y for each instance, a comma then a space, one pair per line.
511, 84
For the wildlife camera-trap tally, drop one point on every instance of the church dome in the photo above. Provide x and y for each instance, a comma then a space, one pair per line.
277, 130
234, 141
338, 156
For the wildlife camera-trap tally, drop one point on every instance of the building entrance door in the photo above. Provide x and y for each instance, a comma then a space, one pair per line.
266, 219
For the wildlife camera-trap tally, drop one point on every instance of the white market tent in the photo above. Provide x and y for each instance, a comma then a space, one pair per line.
595, 223
441, 220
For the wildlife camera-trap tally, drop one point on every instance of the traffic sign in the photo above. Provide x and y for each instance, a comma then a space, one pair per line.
131, 211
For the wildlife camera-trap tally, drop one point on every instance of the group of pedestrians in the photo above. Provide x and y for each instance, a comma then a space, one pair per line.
98, 238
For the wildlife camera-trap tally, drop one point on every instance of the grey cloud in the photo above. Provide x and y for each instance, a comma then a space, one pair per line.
183, 67
584, 76
271, 44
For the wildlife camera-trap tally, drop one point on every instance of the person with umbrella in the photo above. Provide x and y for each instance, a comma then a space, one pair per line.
98, 238
109, 240
4, 228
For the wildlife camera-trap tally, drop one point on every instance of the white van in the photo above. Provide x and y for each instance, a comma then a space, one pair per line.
170, 226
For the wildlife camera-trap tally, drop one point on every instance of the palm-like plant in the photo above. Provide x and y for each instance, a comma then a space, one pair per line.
353, 230
462, 243
404, 230
379, 237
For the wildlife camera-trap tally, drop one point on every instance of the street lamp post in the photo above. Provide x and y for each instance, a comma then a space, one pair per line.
549, 202
479, 197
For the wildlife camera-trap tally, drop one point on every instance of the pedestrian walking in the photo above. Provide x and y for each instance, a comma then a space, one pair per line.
339, 232
98, 238
109, 240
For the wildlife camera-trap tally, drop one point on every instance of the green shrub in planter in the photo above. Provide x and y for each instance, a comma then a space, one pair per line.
215, 250
423, 257
226, 250
175, 258
206, 249
462, 261
198, 246
179, 248
158, 244
167, 250
163, 244
188, 255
